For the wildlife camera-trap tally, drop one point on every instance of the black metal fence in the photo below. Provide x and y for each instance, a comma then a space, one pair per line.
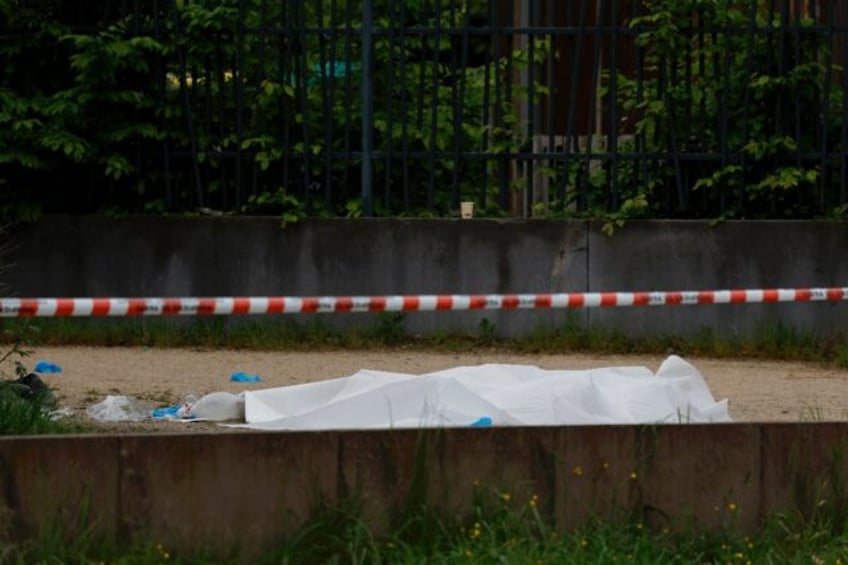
614, 108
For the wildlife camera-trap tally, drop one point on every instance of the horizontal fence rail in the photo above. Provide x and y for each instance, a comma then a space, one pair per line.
191, 306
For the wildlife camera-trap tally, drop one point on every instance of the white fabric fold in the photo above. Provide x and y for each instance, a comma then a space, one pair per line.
490, 394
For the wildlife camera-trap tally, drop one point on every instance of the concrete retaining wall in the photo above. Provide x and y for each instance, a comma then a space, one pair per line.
97, 256
250, 490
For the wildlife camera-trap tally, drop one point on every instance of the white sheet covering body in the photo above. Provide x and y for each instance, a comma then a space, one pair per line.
490, 394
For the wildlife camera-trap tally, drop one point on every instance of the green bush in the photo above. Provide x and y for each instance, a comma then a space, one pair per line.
252, 105
748, 84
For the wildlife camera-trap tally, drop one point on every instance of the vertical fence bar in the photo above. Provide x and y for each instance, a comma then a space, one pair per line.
673, 141
686, 133
641, 138
348, 94
724, 101
699, 105
367, 107
326, 77
404, 108
550, 108
530, 163
221, 113
434, 107
781, 71
752, 32
798, 106
260, 126
597, 59
389, 111
237, 76
136, 19
181, 54
455, 73
612, 97
285, 78
674, 135
459, 108
487, 116
329, 189
496, 113
302, 89
843, 180
509, 70
160, 69
571, 128
825, 103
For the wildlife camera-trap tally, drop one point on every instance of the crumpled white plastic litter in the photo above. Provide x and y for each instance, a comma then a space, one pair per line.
60, 413
215, 406
118, 408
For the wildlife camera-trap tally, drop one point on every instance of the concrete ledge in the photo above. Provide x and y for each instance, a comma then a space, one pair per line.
249, 490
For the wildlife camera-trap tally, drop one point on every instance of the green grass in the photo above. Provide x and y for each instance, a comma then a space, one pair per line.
491, 534
774, 341
30, 416
19, 415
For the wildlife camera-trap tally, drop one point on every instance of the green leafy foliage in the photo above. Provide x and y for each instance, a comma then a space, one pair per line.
758, 101
234, 106
242, 106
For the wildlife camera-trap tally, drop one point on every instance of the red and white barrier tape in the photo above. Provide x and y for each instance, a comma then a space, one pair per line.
56, 307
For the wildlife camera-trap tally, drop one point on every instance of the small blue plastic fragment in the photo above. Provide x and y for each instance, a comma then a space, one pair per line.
165, 412
239, 377
483, 422
47, 367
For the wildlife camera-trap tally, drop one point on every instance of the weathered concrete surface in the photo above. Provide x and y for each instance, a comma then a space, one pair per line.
692, 255
227, 491
70, 485
96, 256
242, 256
248, 491
805, 467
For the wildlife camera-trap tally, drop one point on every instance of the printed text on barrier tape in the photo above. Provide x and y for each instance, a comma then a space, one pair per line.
190, 306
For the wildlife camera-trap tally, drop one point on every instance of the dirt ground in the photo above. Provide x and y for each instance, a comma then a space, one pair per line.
757, 390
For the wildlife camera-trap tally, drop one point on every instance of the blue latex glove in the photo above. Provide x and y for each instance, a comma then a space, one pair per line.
240, 377
483, 422
166, 412
47, 367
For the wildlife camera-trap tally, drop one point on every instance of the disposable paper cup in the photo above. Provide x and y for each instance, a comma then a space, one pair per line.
467, 210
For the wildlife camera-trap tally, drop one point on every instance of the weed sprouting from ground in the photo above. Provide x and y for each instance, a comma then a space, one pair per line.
840, 355
26, 404
20, 415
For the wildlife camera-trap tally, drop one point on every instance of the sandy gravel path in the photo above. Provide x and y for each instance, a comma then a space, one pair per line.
757, 390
